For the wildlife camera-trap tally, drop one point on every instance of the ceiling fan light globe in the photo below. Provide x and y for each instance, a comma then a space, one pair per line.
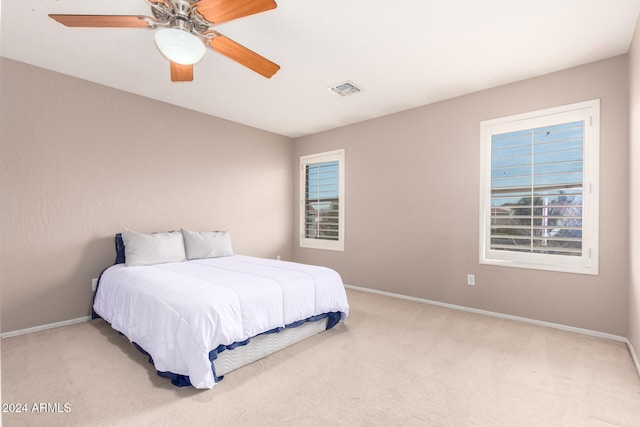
179, 46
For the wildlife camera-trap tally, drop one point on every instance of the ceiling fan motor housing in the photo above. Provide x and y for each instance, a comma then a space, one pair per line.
177, 14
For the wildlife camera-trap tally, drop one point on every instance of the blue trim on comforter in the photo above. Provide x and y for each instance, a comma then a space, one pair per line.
178, 380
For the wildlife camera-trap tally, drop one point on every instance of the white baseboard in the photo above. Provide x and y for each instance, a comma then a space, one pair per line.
619, 338
45, 327
494, 314
633, 356
406, 297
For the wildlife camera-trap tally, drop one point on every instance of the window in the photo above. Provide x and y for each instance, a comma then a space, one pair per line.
539, 189
322, 200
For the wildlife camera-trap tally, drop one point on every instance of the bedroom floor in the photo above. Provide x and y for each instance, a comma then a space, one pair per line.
394, 362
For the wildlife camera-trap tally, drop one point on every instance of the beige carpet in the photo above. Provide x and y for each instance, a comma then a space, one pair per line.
394, 363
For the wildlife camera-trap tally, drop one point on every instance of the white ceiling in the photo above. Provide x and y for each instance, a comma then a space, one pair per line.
403, 54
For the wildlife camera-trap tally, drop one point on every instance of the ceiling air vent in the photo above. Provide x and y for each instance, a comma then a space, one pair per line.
345, 88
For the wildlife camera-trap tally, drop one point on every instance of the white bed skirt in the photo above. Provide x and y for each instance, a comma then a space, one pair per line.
264, 345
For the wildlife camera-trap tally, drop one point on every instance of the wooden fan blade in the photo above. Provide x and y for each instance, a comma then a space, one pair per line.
218, 11
244, 56
132, 21
181, 73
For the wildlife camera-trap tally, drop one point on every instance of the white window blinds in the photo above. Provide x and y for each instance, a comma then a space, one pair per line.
539, 189
536, 190
322, 200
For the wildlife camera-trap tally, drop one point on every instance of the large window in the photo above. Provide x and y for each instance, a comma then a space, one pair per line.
539, 189
322, 200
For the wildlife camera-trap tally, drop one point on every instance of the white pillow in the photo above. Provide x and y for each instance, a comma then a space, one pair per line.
207, 244
154, 248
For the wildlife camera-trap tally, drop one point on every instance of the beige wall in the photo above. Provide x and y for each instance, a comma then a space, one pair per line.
412, 203
634, 108
79, 162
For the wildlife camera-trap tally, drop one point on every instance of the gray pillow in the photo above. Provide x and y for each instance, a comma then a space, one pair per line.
152, 248
207, 244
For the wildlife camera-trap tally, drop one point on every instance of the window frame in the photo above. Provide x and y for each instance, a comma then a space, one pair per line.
327, 156
587, 262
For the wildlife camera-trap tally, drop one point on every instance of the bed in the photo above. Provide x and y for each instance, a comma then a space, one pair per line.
203, 311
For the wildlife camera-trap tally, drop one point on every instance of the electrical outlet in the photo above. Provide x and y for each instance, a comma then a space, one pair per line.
278, 257
94, 284
471, 279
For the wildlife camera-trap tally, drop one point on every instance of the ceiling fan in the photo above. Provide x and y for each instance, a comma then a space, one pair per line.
185, 27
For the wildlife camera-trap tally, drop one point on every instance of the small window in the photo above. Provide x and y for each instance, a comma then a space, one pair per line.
539, 189
322, 200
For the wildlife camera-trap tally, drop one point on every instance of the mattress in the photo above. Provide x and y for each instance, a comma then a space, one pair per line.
187, 314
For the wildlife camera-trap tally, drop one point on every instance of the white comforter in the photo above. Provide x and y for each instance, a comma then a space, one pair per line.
179, 312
